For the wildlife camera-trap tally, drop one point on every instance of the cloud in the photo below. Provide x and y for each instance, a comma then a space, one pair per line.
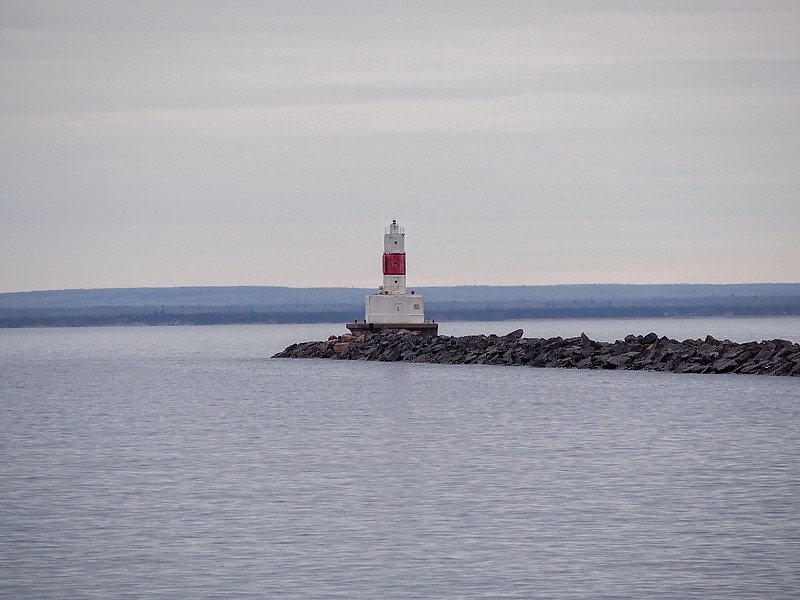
523, 123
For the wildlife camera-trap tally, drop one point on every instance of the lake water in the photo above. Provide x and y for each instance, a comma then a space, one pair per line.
183, 462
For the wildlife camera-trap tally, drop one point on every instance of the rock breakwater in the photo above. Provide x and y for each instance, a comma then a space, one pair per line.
634, 352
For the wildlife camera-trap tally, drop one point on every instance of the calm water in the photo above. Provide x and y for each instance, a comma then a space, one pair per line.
183, 462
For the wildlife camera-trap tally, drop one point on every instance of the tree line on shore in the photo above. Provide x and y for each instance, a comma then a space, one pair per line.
265, 304
120, 316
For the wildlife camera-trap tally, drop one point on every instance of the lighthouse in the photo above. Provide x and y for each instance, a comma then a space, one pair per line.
392, 307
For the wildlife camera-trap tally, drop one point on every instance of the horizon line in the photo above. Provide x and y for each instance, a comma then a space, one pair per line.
353, 287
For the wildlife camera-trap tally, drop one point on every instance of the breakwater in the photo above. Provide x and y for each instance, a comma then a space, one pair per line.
635, 352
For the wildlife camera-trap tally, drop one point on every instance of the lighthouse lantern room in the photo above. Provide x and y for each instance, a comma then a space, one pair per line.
392, 307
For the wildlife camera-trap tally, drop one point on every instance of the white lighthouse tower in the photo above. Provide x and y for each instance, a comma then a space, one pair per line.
391, 307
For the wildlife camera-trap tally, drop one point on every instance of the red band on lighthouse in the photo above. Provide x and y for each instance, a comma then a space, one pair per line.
394, 264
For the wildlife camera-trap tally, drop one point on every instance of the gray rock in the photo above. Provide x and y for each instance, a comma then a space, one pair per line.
651, 353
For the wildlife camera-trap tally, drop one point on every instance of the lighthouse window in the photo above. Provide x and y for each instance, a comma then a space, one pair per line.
395, 280
416, 307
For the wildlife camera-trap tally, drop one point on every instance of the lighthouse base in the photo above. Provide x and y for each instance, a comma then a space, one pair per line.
429, 329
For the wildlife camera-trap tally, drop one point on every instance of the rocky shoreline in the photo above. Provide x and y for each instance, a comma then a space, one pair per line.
635, 352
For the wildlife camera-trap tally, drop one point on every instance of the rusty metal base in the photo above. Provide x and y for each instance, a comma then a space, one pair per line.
423, 328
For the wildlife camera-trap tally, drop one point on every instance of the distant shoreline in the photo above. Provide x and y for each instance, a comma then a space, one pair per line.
167, 318
280, 305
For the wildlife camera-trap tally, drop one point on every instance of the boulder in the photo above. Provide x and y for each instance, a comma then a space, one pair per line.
649, 352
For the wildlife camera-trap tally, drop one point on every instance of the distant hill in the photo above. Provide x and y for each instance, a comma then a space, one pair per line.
181, 296
251, 304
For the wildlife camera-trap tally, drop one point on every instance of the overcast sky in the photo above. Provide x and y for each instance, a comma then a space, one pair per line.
269, 143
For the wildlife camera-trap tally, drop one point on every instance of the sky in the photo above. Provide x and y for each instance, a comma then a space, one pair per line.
178, 143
